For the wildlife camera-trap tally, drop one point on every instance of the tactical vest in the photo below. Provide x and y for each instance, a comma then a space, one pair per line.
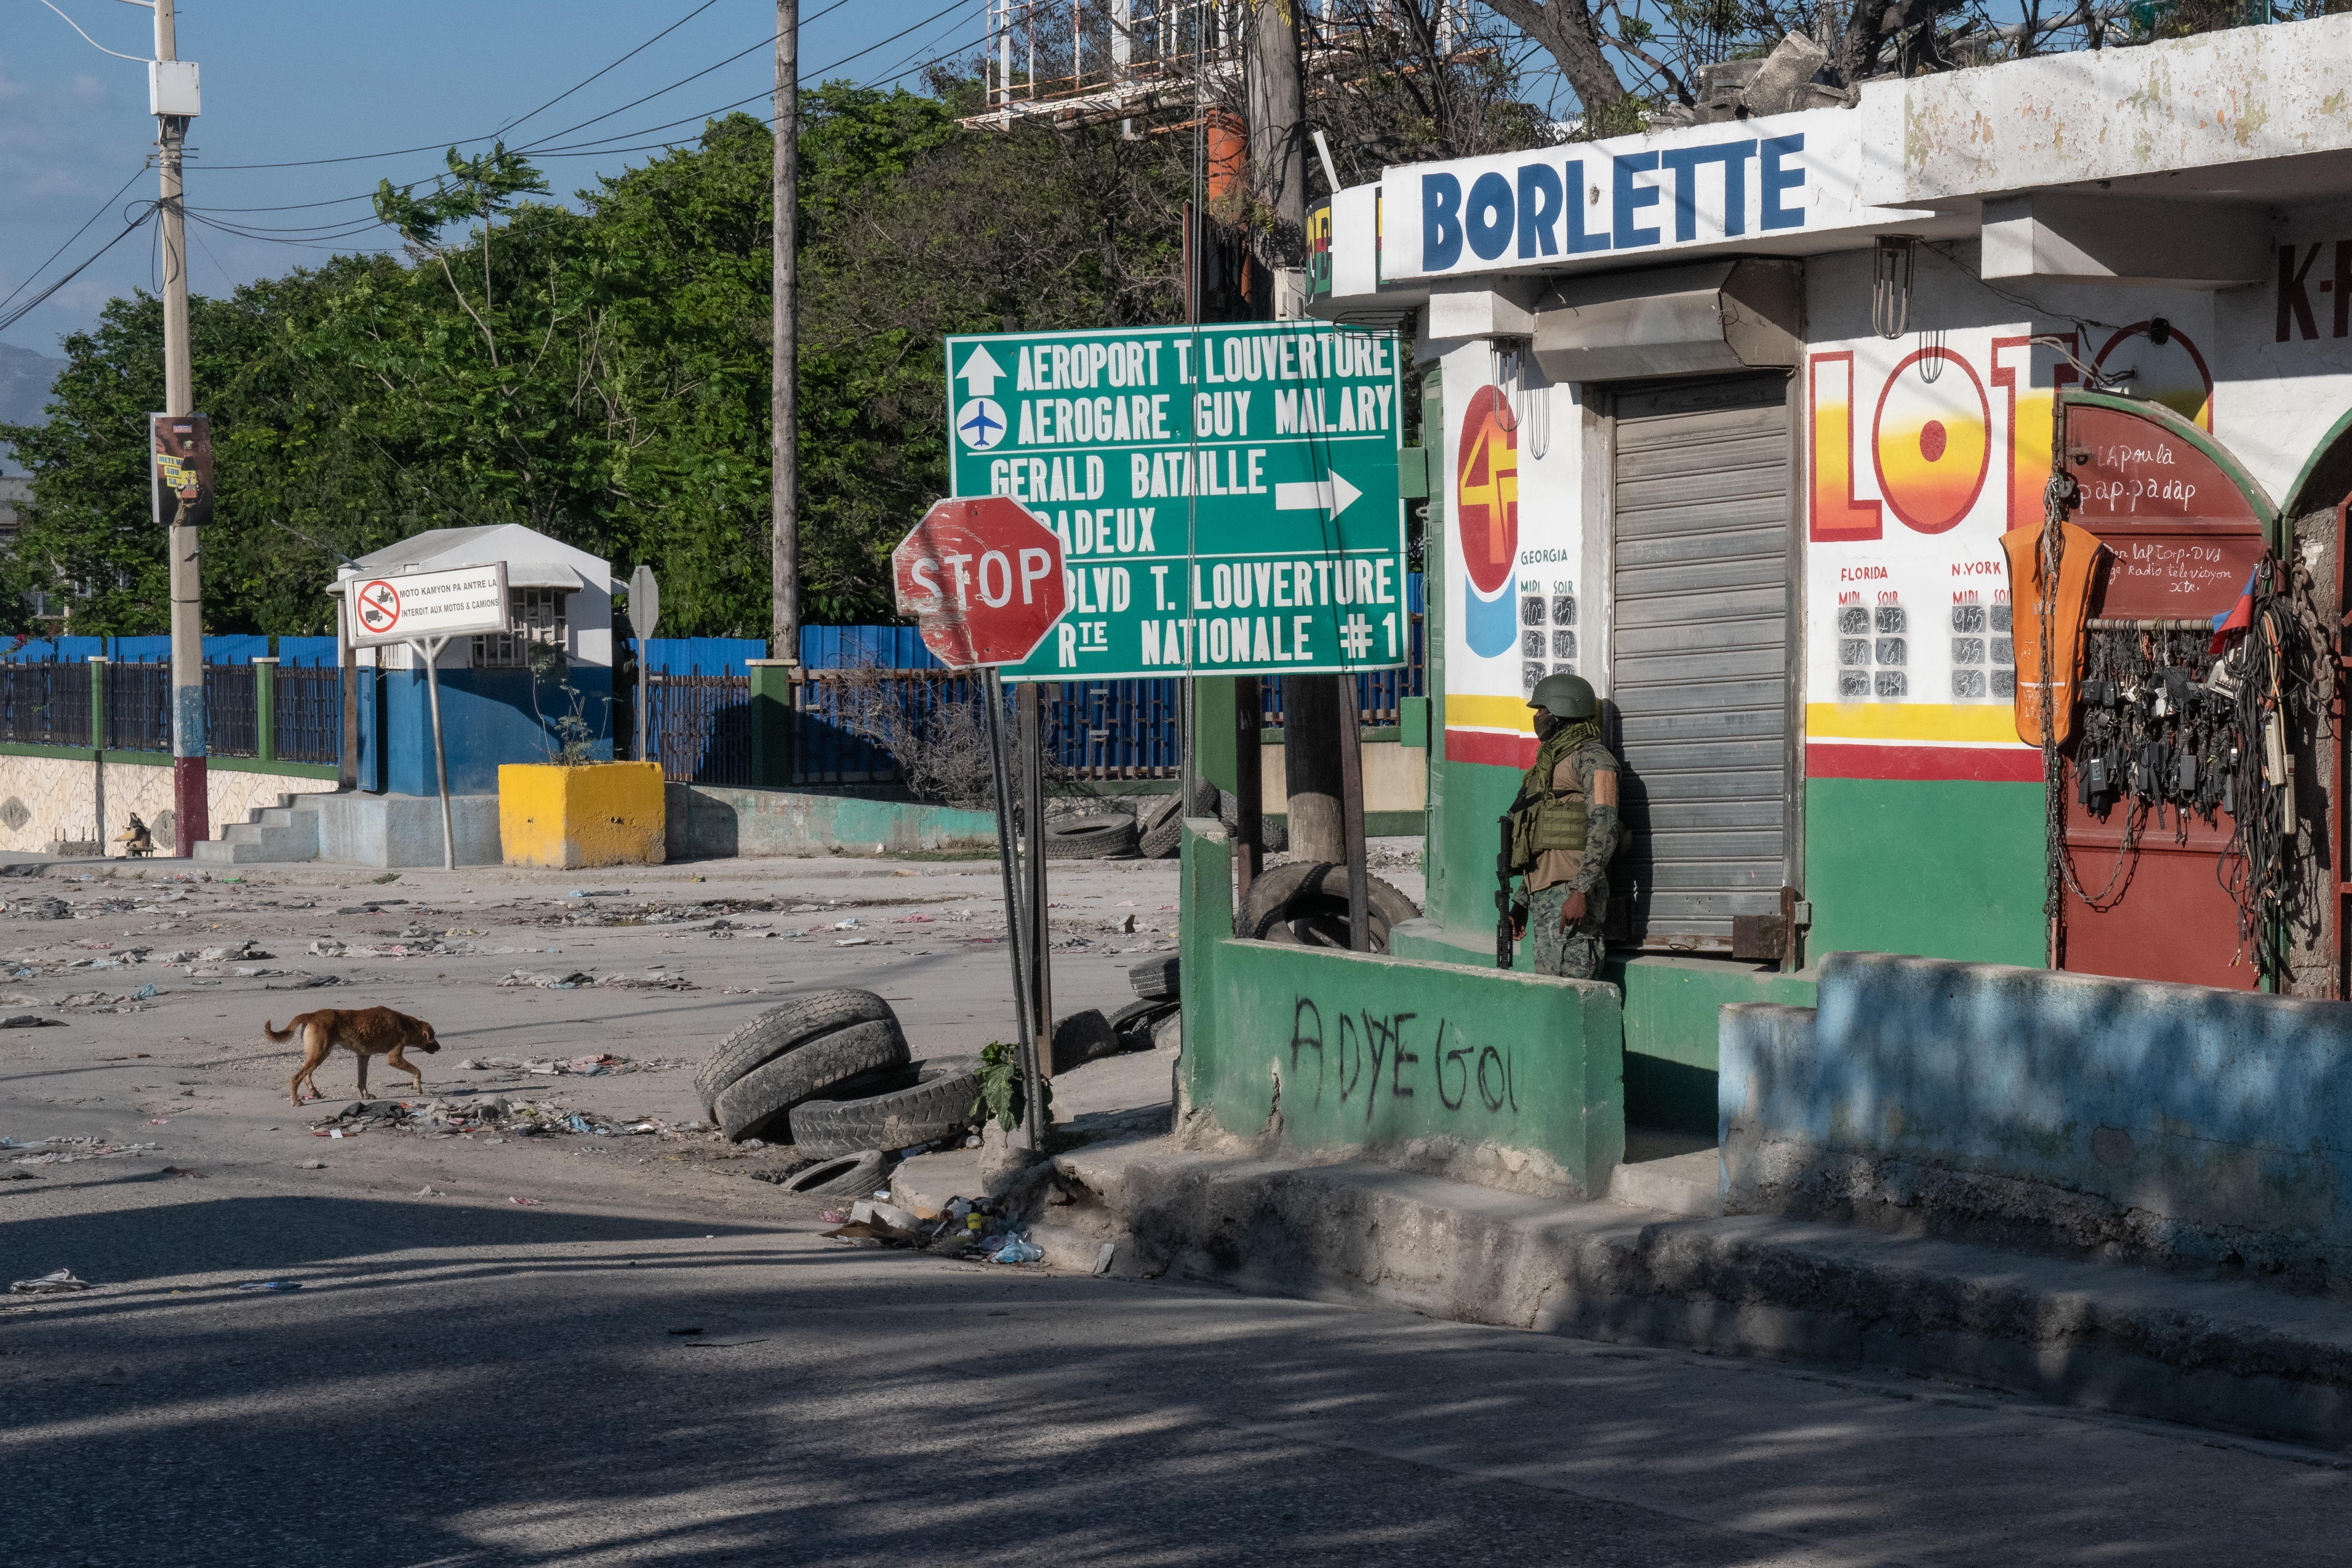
1548, 818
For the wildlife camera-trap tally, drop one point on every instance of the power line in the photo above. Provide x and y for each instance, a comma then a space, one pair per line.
632, 54
469, 141
147, 210
77, 233
599, 147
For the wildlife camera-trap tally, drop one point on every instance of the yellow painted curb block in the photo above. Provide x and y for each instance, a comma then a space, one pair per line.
600, 814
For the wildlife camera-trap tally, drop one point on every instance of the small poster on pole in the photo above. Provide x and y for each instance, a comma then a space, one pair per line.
181, 469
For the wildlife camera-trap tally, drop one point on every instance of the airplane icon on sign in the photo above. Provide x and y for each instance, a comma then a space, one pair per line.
981, 423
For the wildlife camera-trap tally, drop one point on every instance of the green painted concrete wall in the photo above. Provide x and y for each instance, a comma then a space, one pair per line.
1516, 1079
1938, 870
1670, 1011
717, 821
1466, 801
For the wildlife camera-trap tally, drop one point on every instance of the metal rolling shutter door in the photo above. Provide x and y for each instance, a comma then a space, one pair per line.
1699, 654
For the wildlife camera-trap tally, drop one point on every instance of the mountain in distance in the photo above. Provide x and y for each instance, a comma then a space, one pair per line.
24, 378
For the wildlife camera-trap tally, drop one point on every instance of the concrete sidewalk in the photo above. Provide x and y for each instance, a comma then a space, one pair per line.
2237, 1356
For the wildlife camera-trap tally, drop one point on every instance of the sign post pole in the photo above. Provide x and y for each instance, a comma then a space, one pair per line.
1041, 955
1015, 927
983, 580
431, 648
644, 614
1351, 813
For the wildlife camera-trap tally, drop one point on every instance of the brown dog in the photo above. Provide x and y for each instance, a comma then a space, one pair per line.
364, 1032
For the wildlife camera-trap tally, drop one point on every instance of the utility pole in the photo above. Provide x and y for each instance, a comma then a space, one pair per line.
191, 811
1313, 706
783, 398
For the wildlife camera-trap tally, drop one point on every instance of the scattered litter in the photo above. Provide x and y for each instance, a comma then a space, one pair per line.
307, 982
1017, 1250
242, 951
438, 1192
598, 893
55, 1284
145, 992
527, 1202
652, 980
568, 982
314, 1164
30, 1021
854, 941
1102, 1256
271, 1285
181, 1170
67, 1151
327, 947
102, 1002
849, 924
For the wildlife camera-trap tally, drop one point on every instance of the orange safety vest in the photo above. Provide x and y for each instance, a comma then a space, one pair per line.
2077, 569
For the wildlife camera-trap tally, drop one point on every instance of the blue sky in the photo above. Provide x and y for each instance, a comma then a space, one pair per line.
285, 81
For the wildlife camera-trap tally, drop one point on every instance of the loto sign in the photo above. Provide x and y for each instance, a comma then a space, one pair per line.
983, 578
418, 605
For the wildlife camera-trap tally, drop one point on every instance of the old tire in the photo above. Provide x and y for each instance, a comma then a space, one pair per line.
1155, 979
1271, 837
757, 1102
780, 1028
1090, 838
1081, 1038
938, 1106
846, 1176
1131, 1026
1306, 904
1160, 831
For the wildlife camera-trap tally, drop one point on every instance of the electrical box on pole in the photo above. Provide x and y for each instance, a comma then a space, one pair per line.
172, 88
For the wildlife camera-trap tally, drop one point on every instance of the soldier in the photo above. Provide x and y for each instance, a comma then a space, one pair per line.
1565, 828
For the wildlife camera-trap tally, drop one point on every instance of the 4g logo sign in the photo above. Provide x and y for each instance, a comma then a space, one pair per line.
1925, 440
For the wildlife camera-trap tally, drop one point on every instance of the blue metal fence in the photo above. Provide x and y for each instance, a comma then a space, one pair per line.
228, 648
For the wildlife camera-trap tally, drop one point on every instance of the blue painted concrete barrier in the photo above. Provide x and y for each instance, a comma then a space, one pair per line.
2171, 1124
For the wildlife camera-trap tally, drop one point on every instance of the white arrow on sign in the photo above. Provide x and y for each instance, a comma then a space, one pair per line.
981, 372
1333, 495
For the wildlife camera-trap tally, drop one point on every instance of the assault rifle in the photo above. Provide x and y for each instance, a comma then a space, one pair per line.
1506, 913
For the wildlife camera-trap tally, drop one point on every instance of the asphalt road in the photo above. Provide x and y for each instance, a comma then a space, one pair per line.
467, 1380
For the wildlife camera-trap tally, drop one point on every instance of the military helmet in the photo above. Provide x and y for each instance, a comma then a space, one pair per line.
1566, 697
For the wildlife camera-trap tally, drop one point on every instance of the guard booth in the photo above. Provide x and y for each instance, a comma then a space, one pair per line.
510, 696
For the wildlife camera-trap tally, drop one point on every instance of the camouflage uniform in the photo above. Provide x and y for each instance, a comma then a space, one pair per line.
1575, 953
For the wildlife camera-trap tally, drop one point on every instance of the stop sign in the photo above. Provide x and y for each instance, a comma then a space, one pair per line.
983, 578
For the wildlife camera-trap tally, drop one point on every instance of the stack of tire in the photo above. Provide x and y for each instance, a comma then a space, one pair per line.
831, 1070
1305, 904
1157, 994
1155, 833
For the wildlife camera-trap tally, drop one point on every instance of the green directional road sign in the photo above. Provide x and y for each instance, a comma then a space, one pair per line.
1226, 495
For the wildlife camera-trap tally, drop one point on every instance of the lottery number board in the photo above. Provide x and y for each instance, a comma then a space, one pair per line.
1226, 496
